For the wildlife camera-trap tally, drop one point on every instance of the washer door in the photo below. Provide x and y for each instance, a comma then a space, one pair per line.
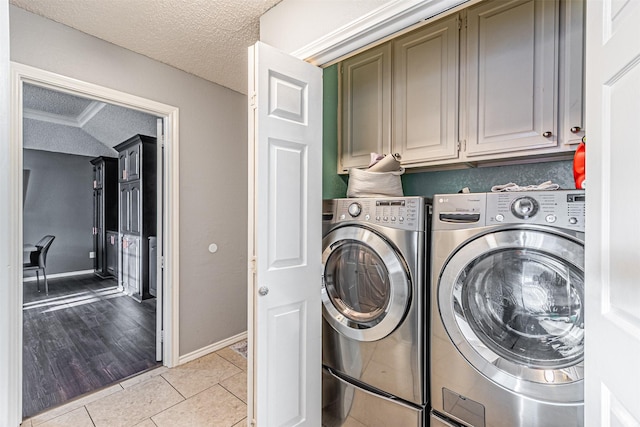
512, 302
366, 287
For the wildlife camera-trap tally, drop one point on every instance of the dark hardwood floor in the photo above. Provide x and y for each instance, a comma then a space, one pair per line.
83, 336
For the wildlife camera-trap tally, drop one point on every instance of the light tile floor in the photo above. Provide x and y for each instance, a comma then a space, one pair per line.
209, 391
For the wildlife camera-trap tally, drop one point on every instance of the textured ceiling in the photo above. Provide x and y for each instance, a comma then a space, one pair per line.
64, 123
208, 38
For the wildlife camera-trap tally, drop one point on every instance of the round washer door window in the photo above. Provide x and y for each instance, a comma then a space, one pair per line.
512, 302
366, 287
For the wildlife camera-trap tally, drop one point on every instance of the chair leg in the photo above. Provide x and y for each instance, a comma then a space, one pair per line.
46, 285
38, 279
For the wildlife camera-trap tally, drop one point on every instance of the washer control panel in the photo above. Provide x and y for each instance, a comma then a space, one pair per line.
405, 213
560, 208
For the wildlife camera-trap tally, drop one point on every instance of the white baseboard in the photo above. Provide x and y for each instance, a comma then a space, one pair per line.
211, 348
53, 276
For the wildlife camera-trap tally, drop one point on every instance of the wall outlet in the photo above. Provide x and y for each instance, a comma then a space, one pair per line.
92, 254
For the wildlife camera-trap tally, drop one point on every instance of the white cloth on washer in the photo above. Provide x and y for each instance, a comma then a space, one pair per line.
547, 185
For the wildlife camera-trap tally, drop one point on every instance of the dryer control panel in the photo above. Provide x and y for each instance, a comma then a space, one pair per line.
405, 213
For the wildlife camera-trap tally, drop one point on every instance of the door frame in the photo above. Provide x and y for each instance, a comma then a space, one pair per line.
20, 74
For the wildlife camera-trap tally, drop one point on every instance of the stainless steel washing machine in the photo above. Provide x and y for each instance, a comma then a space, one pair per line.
375, 312
507, 309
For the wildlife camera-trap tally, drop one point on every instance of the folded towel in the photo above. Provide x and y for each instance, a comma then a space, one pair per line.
547, 185
375, 158
387, 164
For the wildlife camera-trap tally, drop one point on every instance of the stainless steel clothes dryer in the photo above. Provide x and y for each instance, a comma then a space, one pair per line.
507, 309
375, 311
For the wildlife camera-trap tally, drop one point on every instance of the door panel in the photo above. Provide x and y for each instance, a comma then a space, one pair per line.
122, 166
425, 96
613, 295
125, 221
366, 106
511, 75
285, 151
133, 162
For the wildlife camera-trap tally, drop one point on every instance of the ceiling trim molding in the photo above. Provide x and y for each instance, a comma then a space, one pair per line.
82, 119
374, 26
89, 112
43, 116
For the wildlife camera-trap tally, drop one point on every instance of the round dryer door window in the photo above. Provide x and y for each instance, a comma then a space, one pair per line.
512, 302
366, 288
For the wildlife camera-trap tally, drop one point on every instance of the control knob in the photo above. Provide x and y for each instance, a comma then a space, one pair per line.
355, 209
524, 207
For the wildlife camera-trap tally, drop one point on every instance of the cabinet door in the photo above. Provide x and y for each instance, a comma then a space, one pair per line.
132, 265
366, 107
571, 129
425, 93
133, 162
135, 207
126, 261
98, 175
122, 166
125, 203
99, 231
94, 228
111, 253
511, 76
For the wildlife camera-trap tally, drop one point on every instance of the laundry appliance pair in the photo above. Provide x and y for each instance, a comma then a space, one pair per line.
480, 319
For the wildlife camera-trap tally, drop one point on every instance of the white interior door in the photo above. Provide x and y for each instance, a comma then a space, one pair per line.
285, 239
612, 369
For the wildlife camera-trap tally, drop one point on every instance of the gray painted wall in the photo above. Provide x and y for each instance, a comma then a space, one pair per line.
59, 201
213, 165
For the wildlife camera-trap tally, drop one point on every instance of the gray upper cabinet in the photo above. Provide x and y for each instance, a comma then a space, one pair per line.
502, 80
366, 107
425, 94
512, 77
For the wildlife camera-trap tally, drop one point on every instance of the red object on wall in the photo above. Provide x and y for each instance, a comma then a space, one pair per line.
579, 170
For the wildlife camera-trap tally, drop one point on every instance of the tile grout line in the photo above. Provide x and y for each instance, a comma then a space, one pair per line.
184, 399
233, 394
89, 414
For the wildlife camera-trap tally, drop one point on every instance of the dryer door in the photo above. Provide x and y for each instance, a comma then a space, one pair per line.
366, 287
512, 302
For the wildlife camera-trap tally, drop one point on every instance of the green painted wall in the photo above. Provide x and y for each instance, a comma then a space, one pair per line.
333, 185
430, 183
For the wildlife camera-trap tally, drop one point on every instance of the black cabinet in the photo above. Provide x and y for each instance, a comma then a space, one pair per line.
137, 166
105, 210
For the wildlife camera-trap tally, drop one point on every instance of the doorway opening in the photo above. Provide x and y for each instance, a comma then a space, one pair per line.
96, 296
81, 331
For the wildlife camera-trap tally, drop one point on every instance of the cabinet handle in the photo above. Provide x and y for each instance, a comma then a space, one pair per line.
263, 290
576, 129
547, 134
